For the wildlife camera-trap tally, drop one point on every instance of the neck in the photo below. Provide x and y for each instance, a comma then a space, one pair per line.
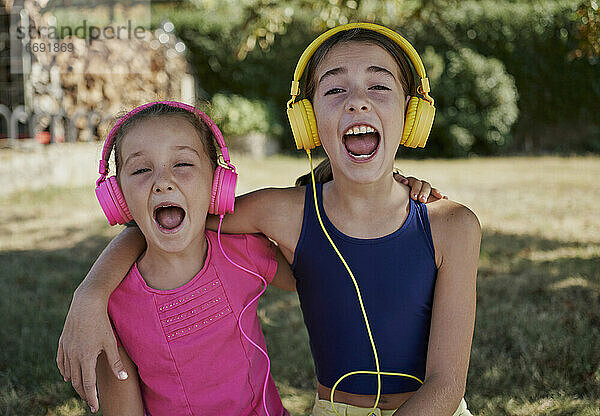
366, 198
168, 270
368, 210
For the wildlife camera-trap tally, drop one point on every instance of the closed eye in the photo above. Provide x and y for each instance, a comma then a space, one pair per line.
183, 164
333, 91
380, 88
139, 171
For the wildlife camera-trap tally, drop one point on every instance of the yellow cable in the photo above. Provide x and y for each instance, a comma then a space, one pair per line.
379, 373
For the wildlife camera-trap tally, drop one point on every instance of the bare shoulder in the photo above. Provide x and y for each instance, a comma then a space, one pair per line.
449, 214
454, 228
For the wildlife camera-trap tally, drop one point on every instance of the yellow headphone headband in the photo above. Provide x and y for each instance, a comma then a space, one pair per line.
403, 43
419, 112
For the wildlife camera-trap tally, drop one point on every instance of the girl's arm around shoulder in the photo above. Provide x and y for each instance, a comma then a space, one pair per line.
456, 236
119, 397
275, 212
284, 279
87, 330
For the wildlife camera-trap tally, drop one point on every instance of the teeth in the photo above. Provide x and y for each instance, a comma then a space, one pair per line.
363, 156
362, 129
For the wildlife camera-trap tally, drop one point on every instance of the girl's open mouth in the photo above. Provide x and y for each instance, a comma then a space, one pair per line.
169, 217
361, 142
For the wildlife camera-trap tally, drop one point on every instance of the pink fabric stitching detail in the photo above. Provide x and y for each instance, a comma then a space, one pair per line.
199, 325
192, 295
191, 312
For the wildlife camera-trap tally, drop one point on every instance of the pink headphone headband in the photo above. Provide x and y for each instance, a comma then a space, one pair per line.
103, 169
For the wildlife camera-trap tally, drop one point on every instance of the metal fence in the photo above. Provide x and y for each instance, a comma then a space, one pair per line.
59, 127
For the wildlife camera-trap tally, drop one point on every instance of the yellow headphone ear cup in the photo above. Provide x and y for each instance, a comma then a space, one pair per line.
425, 114
304, 125
310, 123
409, 121
417, 123
295, 118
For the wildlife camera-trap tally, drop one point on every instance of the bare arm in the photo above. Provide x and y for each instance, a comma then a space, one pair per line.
453, 313
119, 397
255, 212
261, 211
274, 212
284, 279
87, 330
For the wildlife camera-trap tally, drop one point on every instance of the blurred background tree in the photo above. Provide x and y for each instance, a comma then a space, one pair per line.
508, 76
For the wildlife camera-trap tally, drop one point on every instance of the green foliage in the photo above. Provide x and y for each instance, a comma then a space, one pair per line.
477, 103
534, 41
250, 48
588, 30
237, 115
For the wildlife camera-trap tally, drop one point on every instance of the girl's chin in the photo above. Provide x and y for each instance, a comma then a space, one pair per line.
364, 173
161, 237
170, 247
362, 162
180, 238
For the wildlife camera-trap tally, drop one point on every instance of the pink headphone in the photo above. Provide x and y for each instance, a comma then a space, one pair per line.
111, 198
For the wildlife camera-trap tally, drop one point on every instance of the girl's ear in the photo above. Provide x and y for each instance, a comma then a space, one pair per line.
408, 97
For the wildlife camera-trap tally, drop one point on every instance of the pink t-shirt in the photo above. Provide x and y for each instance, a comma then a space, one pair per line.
191, 356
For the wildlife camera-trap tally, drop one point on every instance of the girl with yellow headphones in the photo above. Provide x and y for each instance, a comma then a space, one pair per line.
386, 285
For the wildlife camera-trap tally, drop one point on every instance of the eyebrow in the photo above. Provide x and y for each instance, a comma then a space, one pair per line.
342, 70
186, 148
132, 156
140, 153
376, 69
332, 72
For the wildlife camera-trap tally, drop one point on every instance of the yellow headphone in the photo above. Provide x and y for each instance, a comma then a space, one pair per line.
419, 111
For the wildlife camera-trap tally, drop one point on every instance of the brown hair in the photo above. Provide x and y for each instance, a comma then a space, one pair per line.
165, 110
323, 171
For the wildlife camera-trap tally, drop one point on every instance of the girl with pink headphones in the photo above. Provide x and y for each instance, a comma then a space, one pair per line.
386, 285
185, 340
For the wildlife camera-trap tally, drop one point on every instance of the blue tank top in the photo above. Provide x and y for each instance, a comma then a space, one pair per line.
396, 275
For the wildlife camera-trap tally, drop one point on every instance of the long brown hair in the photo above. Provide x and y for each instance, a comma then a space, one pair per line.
323, 172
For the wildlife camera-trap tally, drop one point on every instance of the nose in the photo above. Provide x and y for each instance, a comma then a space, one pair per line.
158, 188
357, 102
163, 183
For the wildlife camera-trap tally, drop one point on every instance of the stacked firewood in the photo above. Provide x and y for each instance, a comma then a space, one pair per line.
83, 86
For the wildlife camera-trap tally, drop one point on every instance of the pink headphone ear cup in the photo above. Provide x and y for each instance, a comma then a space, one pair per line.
223, 191
113, 202
214, 191
228, 190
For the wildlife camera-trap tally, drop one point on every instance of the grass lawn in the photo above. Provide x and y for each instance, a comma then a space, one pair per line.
536, 349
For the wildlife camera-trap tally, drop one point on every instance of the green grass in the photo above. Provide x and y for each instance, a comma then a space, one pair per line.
536, 349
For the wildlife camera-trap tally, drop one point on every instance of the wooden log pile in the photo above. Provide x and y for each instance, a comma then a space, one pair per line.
88, 87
